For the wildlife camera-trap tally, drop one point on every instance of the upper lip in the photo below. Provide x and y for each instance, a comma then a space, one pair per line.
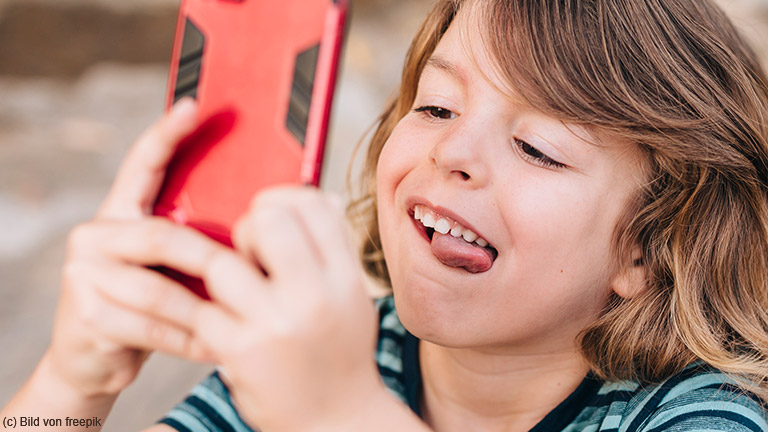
414, 201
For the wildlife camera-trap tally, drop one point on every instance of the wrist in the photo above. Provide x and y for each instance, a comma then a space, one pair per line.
46, 394
55, 385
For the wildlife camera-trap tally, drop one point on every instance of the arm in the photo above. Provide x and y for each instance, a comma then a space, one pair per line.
46, 395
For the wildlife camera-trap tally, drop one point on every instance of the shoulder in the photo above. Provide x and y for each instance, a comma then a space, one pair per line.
699, 398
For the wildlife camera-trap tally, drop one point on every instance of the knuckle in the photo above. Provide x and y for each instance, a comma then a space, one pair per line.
114, 208
267, 218
90, 313
79, 238
240, 234
153, 296
186, 346
155, 228
277, 197
221, 266
263, 199
77, 289
256, 201
157, 234
71, 272
90, 318
158, 334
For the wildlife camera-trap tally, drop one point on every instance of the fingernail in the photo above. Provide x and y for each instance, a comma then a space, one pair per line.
185, 106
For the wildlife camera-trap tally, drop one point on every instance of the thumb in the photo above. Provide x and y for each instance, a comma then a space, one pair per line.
143, 170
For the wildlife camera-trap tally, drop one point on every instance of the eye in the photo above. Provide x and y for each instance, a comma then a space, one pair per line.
436, 112
532, 154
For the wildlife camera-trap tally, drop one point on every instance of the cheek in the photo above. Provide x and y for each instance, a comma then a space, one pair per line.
399, 156
385, 172
563, 231
392, 167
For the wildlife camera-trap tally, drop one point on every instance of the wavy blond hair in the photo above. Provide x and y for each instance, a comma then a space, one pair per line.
674, 78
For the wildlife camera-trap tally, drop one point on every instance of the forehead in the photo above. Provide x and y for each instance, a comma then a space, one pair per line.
467, 53
463, 46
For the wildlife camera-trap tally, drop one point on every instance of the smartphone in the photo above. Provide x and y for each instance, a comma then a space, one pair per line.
263, 73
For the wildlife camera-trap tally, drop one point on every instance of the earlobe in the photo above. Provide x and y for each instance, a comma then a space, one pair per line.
629, 281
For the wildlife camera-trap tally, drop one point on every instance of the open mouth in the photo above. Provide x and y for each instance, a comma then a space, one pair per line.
454, 244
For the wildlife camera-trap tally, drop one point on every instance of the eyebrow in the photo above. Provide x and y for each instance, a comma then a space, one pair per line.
441, 64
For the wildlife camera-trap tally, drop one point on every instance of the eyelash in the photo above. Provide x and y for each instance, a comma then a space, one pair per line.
535, 156
435, 112
529, 152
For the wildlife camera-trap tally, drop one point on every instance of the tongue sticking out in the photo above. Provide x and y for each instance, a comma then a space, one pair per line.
455, 252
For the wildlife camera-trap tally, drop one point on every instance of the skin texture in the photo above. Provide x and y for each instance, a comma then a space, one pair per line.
459, 151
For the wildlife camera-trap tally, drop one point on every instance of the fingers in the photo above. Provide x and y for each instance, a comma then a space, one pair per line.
295, 228
143, 290
141, 175
277, 237
148, 242
217, 329
146, 310
326, 221
230, 279
122, 325
135, 330
235, 283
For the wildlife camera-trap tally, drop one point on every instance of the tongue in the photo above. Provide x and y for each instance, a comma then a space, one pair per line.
455, 252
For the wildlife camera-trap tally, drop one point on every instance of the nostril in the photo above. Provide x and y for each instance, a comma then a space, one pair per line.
464, 175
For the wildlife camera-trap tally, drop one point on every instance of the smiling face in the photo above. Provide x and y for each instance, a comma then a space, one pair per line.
538, 202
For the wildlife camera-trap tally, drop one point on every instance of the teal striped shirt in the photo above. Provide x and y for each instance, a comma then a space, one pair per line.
698, 399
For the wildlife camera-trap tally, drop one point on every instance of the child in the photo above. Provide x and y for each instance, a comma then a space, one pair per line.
568, 199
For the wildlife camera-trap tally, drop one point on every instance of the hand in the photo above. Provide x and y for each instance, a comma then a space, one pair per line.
290, 320
102, 333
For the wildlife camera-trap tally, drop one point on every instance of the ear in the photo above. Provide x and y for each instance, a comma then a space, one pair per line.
629, 280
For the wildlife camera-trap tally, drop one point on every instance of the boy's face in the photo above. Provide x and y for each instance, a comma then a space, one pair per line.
545, 200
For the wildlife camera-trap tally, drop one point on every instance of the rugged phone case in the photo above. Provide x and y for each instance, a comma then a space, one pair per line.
263, 72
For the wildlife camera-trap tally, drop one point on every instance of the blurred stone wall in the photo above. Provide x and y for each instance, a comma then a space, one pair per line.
79, 80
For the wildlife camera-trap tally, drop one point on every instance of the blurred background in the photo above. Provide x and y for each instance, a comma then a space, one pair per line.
79, 80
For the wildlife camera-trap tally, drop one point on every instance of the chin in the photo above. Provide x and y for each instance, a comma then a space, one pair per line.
430, 317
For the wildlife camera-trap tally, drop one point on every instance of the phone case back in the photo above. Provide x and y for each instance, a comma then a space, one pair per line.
263, 73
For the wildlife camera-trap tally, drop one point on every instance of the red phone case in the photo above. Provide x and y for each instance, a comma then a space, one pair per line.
263, 73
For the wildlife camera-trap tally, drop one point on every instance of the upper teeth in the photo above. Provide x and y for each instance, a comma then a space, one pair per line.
445, 225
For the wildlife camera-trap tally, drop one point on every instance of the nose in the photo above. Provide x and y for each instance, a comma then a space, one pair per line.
460, 156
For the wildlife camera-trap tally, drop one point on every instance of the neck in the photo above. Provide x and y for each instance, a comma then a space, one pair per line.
469, 389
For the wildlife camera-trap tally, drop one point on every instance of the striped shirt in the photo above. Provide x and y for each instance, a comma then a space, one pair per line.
698, 399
